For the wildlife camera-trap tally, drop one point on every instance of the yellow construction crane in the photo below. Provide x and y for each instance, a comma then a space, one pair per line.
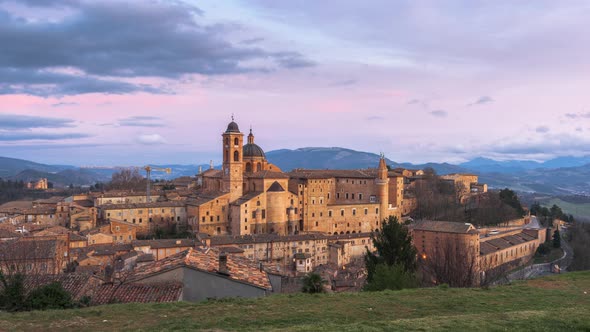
148, 170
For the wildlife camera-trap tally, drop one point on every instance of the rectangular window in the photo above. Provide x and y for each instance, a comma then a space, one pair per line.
264, 213
352, 196
329, 213
337, 195
366, 211
360, 196
354, 212
346, 195
342, 212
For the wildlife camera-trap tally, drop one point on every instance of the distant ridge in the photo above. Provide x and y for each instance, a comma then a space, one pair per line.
563, 175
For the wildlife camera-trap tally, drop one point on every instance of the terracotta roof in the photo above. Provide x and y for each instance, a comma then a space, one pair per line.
145, 258
28, 250
263, 238
166, 243
143, 205
275, 187
124, 194
86, 203
267, 175
204, 197
16, 205
212, 173
232, 250
77, 237
246, 198
444, 227
8, 234
88, 269
55, 230
496, 244
240, 268
136, 293
330, 173
109, 249
51, 200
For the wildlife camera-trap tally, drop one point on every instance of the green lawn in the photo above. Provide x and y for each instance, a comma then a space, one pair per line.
548, 304
576, 209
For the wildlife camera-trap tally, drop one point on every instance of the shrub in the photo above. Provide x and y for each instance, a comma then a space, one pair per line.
313, 283
393, 277
12, 296
544, 249
52, 296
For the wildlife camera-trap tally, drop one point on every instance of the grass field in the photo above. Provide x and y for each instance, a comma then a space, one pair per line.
553, 303
576, 209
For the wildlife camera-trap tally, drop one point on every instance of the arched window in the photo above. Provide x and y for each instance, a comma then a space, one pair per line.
236, 156
259, 167
227, 141
248, 167
226, 155
236, 141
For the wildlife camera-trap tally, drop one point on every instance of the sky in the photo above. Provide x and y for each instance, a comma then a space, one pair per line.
137, 82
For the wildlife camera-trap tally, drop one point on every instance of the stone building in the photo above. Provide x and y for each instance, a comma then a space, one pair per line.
249, 195
460, 247
147, 216
290, 253
40, 184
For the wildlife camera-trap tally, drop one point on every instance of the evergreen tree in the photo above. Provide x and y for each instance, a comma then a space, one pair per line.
393, 245
556, 239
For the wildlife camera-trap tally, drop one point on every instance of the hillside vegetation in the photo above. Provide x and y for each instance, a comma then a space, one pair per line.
554, 303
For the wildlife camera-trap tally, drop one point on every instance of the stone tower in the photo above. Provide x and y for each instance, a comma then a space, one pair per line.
382, 182
233, 165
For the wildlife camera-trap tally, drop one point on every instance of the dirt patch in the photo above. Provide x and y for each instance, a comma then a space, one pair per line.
547, 284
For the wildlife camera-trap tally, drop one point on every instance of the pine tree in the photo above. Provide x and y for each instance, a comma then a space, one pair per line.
556, 239
393, 245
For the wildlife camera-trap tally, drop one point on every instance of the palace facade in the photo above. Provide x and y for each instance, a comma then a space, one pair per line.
249, 195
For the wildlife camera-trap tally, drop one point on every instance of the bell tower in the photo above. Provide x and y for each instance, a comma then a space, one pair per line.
382, 182
233, 164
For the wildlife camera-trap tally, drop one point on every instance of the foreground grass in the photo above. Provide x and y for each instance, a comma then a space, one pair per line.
547, 304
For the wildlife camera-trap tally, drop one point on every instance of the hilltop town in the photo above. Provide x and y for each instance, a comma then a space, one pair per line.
250, 229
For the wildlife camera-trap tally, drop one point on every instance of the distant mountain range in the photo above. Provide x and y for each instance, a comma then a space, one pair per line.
559, 176
486, 165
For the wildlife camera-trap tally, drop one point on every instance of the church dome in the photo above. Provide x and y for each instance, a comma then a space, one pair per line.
253, 150
232, 127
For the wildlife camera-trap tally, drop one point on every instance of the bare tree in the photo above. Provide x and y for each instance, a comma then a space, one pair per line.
452, 264
127, 179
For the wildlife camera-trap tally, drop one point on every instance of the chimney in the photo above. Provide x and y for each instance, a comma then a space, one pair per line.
223, 264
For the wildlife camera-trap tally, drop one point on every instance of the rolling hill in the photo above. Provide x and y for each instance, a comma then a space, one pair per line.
559, 176
11, 166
